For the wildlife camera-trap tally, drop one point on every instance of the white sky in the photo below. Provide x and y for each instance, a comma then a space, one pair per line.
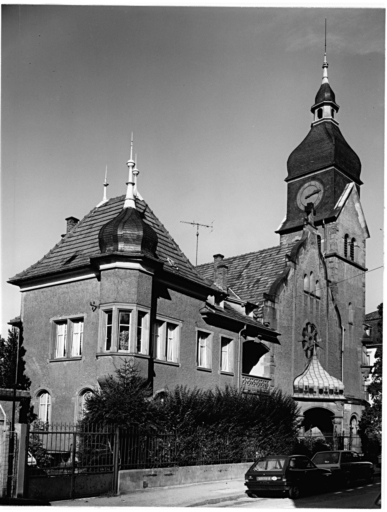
217, 99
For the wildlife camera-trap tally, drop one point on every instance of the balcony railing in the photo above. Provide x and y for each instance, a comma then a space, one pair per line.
254, 384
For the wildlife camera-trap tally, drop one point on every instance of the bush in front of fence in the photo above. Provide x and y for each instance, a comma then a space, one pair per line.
192, 426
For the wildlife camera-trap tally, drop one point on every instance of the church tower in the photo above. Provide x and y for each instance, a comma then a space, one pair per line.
324, 178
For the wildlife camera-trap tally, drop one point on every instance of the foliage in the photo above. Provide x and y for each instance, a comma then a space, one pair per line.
370, 426
8, 357
120, 400
35, 445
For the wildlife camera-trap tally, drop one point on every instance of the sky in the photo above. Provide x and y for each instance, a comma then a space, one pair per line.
217, 99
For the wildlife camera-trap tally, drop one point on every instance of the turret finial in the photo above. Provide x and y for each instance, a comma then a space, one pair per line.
129, 199
136, 172
105, 185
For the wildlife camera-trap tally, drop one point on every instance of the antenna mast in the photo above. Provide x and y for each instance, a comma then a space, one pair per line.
197, 234
325, 50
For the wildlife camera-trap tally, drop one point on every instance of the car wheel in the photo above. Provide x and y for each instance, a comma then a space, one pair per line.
294, 492
370, 478
346, 480
252, 495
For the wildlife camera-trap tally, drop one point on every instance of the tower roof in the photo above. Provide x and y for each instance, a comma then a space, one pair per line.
325, 93
324, 147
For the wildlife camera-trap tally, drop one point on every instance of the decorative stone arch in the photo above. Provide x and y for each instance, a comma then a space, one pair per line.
79, 401
320, 417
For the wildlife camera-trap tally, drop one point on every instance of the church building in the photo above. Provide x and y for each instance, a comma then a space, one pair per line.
291, 317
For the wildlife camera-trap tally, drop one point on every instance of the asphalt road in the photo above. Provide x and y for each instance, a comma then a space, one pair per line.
362, 496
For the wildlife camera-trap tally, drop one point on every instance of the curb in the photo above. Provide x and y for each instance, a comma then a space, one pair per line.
214, 501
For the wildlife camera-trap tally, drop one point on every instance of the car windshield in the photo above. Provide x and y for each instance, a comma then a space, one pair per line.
269, 465
326, 458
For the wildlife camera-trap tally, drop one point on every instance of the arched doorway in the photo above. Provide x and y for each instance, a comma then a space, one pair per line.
318, 421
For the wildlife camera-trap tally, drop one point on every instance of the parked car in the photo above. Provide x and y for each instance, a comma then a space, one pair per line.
346, 466
287, 474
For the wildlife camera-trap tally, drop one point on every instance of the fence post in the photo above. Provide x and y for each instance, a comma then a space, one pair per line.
22, 462
116, 457
73, 466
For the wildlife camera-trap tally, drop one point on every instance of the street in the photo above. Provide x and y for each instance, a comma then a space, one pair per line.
362, 496
229, 493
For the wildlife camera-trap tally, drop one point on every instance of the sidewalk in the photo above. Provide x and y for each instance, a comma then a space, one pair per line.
178, 496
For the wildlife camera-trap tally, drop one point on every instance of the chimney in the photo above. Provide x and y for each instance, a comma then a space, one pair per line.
220, 272
71, 223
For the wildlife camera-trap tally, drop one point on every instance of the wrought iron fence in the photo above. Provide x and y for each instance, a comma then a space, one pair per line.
321, 442
63, 448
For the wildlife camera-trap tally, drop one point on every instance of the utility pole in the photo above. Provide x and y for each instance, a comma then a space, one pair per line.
197, 234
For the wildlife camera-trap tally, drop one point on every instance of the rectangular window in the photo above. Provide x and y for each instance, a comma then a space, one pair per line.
108, 329
166, 341
142, 333
226, 357
123, 330
204, 350
77, 338
61, 339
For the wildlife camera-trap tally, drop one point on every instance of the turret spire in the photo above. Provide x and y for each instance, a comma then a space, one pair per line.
105, 185
129, 199
136, 172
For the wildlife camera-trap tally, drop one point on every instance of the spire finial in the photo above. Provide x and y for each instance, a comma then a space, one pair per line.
105, 185
325, 64
136, 172
129, 199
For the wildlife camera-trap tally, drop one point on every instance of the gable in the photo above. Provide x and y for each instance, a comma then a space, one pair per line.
73, 252
349, 207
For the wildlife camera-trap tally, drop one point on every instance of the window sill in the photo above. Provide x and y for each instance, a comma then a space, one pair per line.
170, 363
223, 372
202, 369
122, 353
64, 359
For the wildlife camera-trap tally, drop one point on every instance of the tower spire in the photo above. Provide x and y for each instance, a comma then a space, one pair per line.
105, 185
129, 199
325, 63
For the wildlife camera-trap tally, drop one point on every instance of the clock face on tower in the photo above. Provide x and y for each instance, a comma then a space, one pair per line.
310, 192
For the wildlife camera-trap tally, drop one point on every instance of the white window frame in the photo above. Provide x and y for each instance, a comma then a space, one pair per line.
204, 357
67, 341
166, 348
116, 309
226, 356
45, 403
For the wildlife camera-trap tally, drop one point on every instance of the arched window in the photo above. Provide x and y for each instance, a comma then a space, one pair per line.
352, 249
320, 113
318, 290
312, 285
353, 426
306, 283
350, 313
82, 398
44, 407
346, 246
319, 243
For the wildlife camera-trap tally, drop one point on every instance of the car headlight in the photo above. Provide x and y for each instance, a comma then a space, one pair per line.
274, 478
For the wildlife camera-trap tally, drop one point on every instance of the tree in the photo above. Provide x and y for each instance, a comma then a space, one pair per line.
8, 357
121, 399
370, 426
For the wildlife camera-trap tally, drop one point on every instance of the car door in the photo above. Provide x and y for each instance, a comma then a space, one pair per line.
347, 466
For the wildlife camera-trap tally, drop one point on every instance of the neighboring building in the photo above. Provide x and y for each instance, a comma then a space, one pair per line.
372, 340
118, 285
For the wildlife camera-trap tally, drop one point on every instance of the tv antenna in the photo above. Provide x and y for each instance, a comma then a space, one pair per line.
197, 233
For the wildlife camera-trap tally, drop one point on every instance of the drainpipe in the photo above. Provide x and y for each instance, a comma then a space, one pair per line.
342, 353
240, 357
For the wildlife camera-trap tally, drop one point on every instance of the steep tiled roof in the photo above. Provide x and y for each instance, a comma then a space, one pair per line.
75, 249
323, 147
314, 379
372, 316
251, 275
